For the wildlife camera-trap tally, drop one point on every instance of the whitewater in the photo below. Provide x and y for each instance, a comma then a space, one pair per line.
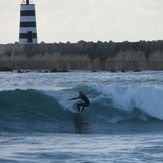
123, 123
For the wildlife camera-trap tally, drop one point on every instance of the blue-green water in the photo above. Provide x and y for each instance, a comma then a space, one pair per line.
123, 123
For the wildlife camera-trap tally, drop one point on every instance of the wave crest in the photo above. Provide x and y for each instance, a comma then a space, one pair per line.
50, 111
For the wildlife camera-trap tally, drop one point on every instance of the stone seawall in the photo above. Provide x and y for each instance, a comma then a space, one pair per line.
17, 57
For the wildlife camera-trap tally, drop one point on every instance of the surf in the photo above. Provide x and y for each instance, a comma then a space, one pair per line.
50, 111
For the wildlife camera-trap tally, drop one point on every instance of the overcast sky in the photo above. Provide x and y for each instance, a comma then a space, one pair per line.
89, 20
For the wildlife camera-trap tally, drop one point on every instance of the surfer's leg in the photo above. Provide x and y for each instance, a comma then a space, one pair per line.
78, 106
83, 108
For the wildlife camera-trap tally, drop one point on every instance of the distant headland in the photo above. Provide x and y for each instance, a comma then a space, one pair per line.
94, 56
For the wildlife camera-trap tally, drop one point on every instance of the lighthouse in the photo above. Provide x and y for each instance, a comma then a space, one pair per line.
28, 30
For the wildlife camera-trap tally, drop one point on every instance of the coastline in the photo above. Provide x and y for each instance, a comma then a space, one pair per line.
48, 56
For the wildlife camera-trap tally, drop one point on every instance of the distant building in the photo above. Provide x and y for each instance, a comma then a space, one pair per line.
28, 30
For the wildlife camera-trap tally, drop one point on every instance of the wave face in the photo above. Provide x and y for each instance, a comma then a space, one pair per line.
113, 109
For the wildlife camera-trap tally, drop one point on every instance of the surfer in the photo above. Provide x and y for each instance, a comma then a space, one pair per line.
85, 101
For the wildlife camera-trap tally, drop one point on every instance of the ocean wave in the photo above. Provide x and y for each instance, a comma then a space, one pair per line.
148, 99
51, 111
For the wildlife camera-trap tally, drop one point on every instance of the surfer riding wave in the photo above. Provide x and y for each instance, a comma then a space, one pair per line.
85, 101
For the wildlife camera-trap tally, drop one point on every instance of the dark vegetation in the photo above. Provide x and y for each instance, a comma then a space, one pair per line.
101, 50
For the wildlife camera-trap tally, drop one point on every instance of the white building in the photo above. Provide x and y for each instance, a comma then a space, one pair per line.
28, 30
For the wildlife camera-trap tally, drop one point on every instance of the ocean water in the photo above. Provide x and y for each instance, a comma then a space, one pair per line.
123, 124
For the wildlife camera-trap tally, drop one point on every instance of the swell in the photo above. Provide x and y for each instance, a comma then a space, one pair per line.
29, 110
50, 111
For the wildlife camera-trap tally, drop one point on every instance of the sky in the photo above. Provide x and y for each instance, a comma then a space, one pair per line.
89, 20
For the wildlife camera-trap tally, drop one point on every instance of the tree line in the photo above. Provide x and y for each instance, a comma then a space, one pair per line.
101, 50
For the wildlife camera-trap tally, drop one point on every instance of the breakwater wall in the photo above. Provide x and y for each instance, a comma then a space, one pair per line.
82, 56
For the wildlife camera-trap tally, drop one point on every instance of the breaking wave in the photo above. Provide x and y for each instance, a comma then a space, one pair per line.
113, 109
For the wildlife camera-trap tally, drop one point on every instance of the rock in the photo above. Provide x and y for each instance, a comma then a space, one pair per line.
113, 71
6, 69
137, 70
19, 71
56, 70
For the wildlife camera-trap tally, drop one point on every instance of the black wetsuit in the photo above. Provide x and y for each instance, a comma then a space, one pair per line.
83, 104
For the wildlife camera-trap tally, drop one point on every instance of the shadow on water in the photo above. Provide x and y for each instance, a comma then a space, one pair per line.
80, 125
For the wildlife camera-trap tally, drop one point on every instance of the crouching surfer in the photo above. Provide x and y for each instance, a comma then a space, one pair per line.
85, 101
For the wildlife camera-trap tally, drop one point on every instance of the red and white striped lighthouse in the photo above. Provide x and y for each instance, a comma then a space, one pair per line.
28, 30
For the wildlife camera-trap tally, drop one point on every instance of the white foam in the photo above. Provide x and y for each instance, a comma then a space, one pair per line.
63, 98
149, 99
